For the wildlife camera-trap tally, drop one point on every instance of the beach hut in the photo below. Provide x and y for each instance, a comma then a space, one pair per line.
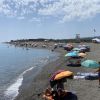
96, 40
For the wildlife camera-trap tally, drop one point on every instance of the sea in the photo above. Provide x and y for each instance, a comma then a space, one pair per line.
15, 62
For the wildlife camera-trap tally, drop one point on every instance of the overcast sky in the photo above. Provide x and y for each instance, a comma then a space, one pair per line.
21, 19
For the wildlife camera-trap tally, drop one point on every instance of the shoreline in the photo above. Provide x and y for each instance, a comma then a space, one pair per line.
35, 78
17, 82
35, 89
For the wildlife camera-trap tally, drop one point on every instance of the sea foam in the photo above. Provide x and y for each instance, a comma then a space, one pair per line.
12, 90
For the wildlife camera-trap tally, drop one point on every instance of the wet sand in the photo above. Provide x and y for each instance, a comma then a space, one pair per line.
84, 89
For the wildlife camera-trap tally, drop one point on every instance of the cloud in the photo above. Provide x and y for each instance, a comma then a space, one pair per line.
64, 10
71, 9
35, 20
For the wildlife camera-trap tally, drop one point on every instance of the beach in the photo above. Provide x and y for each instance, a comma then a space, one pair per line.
32, 85
50, 50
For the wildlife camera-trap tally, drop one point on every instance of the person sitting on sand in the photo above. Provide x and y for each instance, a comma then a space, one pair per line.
58, 94
48, 94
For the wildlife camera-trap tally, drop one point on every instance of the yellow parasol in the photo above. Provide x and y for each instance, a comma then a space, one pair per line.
82, 54
63, 75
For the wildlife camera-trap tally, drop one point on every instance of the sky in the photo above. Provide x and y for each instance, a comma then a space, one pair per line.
52, 19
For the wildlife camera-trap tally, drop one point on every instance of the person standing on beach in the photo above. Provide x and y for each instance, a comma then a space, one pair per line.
99, 76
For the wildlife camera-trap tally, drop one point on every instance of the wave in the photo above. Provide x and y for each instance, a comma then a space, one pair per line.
12, 91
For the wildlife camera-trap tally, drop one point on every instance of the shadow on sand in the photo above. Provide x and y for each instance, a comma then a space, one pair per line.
69, 96
74, 65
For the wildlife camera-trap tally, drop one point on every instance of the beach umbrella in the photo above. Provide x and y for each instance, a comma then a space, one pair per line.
71, 54
55, 73
63, 74
76, 49
83, 48
60, 74
68, 47
90, 64
82, 54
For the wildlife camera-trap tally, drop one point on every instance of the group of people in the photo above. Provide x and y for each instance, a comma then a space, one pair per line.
55, 95
57, 92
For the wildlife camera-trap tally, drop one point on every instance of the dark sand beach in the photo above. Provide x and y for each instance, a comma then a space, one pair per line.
84, 89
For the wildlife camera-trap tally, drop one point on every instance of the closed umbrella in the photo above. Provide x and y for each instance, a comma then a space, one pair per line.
90, 64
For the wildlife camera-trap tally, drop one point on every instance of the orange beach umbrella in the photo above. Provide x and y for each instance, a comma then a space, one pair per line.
63, 74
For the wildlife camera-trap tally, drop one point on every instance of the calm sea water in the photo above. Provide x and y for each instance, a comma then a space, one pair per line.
15, 62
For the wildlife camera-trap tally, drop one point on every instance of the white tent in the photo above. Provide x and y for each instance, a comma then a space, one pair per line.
96, 40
